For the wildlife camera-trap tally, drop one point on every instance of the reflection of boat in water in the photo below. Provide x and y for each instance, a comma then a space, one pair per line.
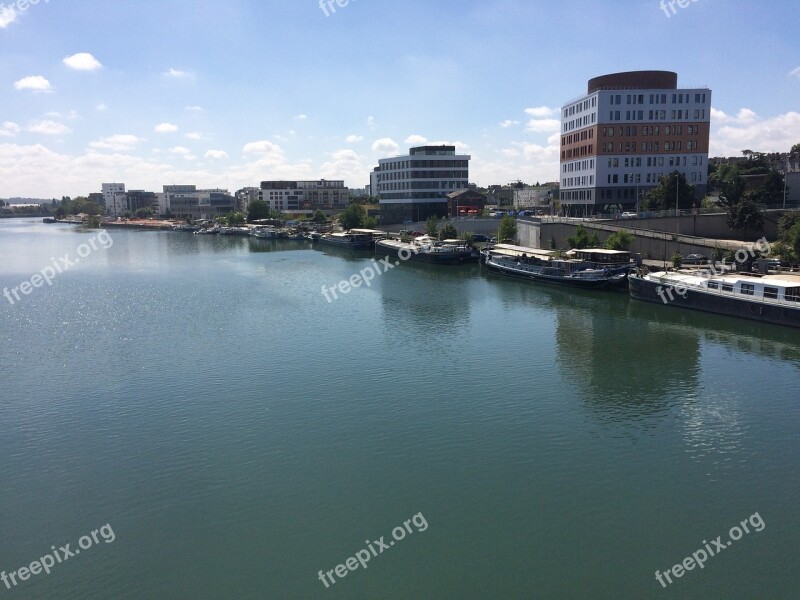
766, 298
428, 250
532, 264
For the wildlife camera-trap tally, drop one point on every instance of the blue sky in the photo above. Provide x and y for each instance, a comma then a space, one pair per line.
226, 94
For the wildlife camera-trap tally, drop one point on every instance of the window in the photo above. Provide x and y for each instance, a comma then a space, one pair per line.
748, 289
727, 287
771, 292
713, 285
792, 294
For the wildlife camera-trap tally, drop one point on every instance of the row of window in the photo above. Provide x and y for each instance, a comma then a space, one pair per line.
580, 165
423, 164
578, 137
677, 98
608, 147
580, 106
657, 115
652, 161
632, 130
424, 185
748, 289
403, 175
585, 150
584, 121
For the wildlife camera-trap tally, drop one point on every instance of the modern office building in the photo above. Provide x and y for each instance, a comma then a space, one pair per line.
186, 201
415, 186
114, 199
628, 131
289, 196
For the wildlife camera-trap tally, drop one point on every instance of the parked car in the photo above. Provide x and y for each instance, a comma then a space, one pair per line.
628, 215
695, 259
479, 238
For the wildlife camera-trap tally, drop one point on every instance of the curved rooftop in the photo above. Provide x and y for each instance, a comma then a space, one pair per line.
635, 80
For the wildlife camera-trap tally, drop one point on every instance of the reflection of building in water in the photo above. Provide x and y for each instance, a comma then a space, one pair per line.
440, 313
627, 367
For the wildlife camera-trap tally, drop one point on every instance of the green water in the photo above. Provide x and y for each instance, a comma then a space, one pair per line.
240, 433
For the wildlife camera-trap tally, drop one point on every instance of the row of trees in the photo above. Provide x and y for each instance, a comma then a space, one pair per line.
619, 240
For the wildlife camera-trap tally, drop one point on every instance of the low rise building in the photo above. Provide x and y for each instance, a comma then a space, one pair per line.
292, 196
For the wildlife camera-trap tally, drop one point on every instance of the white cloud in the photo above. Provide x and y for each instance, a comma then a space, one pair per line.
352, 139
177, 74
300, 117
47, 127
543, 125
508, 123
9, 129
795, 73
117, 143
540, 112
460, 146
180, 150
7, 16
216, 154
386, 145
264, 147
36, 83
166, 128
101, 107
371, 122
344, 164
194, 108
748, 131
83, 61
745, 115
416, 139
194, 135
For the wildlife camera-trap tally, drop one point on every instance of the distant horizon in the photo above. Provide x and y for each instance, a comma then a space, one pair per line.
233, 99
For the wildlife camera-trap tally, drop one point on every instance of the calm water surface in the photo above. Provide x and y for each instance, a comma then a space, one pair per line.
240, 434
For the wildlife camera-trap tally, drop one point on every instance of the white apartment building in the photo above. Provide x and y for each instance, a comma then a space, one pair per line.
627, 132
289, 196
114, 198
415, 186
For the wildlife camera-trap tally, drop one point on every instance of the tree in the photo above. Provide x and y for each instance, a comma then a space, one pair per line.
677, 260
582, 239
319, 217
788, 246
257, 210
773, 187
795, 149
621, 240
746, 214
237, 218
353, 217
144, 213
370, 223
507, 229
468, 237
432, 226
448, 232
662, 197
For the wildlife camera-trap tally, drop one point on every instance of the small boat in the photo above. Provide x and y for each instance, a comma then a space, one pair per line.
545, 266
208, 231
428, 250
234, 231
350, 240
264, 233
766, 298
313, 236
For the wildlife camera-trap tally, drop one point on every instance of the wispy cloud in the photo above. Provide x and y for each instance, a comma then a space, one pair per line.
352, 139
166, 128
194, 108
118, 143
539, 112
543, 125
416, 139
35, 83
9, 129
387, 145
83, 61
173, 73
7, 16
795, 73
216, 154
508, 123
47, 127
301, 117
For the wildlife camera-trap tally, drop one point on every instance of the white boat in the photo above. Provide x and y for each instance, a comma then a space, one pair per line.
766, 298
429, 250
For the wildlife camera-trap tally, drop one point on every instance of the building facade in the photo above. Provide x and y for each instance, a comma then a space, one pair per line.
627, 132
187, 202
415, 186
290, 196
114, 199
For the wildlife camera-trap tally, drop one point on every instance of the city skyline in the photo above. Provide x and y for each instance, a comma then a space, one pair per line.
226, 96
